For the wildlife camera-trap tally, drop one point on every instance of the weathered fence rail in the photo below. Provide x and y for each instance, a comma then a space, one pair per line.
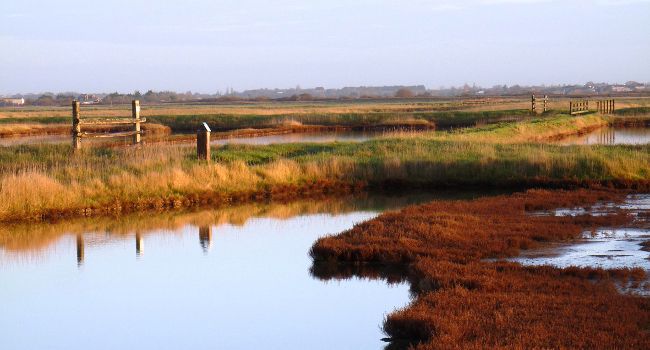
78, 123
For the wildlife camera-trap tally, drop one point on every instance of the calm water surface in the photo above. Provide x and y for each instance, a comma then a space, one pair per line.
34, 140
604, 247
340, 136
236, 278
611, 136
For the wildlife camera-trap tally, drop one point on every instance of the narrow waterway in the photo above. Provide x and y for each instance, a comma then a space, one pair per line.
317, 137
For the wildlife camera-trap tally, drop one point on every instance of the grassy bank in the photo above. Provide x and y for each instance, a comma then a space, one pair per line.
43, 181
464, 301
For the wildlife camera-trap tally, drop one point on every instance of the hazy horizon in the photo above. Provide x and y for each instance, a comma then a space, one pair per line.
208, 46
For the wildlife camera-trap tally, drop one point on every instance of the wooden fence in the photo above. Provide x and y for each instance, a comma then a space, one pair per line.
533, 103
78, 123
605, 106
578, 107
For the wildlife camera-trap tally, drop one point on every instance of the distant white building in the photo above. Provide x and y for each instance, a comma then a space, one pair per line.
621, 89
12, 101
88, 99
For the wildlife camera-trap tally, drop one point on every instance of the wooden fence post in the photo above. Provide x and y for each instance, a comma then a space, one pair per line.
532, 105
76, 125
135, 112
545, 103
203, 142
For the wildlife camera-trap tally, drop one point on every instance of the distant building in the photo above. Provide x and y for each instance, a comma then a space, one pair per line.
621, 89
87, 99
12, 101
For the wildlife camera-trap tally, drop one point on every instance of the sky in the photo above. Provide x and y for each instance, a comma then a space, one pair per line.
210, 45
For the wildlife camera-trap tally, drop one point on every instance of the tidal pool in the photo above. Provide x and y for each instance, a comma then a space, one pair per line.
604, 247
236, 278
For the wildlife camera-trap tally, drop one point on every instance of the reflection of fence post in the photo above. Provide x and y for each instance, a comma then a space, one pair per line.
80, 250
205, 237
203, 142
135, 112
139, 244
76, 125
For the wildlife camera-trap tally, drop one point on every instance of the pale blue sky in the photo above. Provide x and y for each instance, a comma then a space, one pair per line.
205, 46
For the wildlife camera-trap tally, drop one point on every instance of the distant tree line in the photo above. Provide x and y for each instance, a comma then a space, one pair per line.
346, 93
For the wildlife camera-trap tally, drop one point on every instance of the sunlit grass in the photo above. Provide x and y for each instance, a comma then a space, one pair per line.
36, 180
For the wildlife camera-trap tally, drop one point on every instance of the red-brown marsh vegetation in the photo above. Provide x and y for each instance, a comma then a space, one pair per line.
465, 300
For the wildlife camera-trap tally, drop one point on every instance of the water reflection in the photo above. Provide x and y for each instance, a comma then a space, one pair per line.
139, 246
611, 136
605, 247
205, 238
320, 137
33, 239
80, 250
247, 281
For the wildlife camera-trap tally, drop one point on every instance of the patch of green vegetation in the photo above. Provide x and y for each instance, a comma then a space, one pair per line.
36, 120
224, 122
632, 111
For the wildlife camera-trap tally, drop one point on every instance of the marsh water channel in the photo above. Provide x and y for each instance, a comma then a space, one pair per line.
293, 137
603, 136
233, 278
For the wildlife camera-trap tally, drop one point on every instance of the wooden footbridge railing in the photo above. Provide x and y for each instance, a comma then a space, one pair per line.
578, 107
605, 106
78, 123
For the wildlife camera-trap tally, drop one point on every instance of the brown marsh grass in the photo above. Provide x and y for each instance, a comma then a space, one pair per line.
467, 302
